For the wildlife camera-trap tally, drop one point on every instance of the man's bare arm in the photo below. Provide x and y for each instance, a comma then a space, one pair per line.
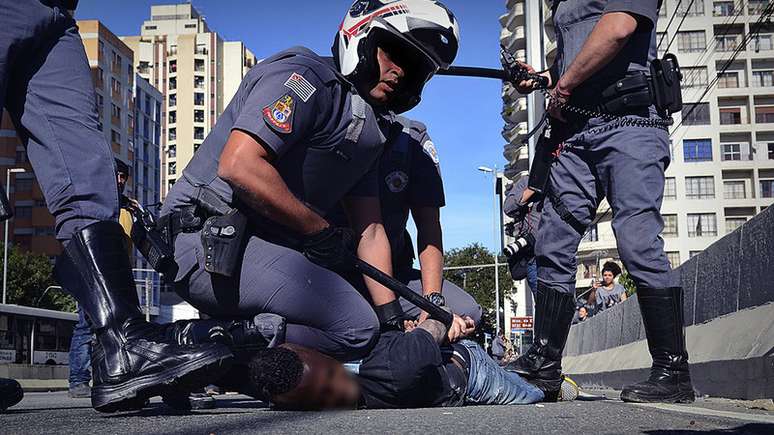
430, 247
247, 167
609, 36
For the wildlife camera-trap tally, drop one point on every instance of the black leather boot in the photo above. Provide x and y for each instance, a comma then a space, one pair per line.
11, 393
670, 379
243, 337
541, 365
132, 360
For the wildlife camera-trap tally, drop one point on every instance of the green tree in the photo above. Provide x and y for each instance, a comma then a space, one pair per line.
628, 283
29, 275
479, 282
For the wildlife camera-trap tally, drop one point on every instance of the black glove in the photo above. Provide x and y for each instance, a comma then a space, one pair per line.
391, 316
331, 248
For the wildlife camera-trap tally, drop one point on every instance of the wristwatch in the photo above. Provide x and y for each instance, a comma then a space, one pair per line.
436, 298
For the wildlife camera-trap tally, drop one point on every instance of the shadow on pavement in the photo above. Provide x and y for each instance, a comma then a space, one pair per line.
751, 428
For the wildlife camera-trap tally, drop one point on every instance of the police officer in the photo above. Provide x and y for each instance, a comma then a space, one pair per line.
46, 86
410, 181
299, 138
602, 44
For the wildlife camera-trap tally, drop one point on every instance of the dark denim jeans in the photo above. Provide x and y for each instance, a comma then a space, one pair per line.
80, 352
490, 384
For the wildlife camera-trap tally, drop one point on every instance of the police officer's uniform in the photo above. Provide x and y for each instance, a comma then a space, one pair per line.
623, 160
326, 140
410, 176
46, 86
624, 164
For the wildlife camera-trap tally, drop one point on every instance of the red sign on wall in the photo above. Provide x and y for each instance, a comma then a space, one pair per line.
521, 322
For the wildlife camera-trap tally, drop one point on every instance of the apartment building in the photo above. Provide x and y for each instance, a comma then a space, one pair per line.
111, 62
722, 145
197, 73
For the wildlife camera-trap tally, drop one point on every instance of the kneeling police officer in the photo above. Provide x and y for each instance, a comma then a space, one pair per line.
248, 214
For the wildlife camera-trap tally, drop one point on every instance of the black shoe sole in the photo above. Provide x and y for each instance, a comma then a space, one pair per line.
678, 397
132, 394
550, 388
8, 401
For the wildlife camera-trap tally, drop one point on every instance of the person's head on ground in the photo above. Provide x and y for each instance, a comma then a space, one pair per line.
610, 272
122, 175
389, 49
296, 378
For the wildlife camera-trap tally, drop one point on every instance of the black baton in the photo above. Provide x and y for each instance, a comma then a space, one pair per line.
403, 291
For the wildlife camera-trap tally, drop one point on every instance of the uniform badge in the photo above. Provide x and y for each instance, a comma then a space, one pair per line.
279, 115
429, 148
396, 181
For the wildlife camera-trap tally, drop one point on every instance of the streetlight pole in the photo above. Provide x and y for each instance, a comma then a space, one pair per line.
495, 231
8, 173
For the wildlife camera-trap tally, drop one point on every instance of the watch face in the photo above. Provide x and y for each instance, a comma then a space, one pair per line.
437, 299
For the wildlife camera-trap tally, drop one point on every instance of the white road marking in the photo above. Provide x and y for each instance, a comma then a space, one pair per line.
760, 418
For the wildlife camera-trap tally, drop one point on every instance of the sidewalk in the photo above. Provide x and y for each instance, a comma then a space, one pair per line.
43, 385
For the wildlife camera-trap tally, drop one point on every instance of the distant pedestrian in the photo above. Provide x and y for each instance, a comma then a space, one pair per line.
498, 346
609, 292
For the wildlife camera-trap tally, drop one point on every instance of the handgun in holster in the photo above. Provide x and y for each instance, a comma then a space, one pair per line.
223, 234
150, 240
6, 212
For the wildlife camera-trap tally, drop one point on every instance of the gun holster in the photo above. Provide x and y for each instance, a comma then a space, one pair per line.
151, 241
666, 77
224, 239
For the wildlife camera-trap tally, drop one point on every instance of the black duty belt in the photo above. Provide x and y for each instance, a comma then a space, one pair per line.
188, 219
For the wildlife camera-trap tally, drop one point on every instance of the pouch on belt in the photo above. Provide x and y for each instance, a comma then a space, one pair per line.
224, 238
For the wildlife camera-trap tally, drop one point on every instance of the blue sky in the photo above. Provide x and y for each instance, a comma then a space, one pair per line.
462, 114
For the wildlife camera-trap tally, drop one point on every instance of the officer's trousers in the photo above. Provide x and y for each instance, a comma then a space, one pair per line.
625, 165
323, 311
46, 87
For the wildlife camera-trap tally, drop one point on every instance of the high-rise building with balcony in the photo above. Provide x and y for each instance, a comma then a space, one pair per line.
197, 73
722, 145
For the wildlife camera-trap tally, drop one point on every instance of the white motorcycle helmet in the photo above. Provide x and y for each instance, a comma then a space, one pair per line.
422, 34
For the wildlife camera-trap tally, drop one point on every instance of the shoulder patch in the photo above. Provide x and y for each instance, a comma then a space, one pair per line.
429, 148
300, 86
279, 115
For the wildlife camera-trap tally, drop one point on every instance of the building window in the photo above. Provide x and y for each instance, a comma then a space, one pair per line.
172, 116
695, 77
115, 136
198, 132
763, 42
23, 185
702, 225
198, 99
696, 114
172, 168
172, 151
150, 27
198, 82
734, 189
691, 41
755, 7
172, 133
592, 234
734, 223
697, 150
115, 111
172, 83
670, 225
699, 187
730, 115
199, 65
723, 8
100, 104
771, 150
190, 26
692, 9
173, 66
670, 188
734, 151
728, 80
148, 107
764, 114
674, 258
198, 115
763, 78
170, 183
727, 43
196, 146
767, 188
22, 211
100, 77
115, 86
172, 100
116, 60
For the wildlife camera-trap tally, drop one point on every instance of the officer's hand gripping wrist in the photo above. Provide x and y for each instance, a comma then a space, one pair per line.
331, 248
391, 316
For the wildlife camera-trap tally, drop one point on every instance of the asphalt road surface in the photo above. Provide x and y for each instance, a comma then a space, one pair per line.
55, 413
